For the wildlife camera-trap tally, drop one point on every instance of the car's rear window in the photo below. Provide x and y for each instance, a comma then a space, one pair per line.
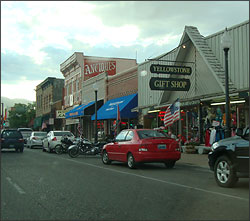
149, 134
63, 133
11, 134
40, 134
25, 129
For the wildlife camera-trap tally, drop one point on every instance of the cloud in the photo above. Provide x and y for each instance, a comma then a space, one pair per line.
20, 89
155, 19
16, 66
37, 36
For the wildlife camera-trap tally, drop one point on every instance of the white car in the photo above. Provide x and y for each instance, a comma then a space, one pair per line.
36, 139
53, 138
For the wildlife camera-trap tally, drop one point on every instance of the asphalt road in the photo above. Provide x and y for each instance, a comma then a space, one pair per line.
44, 186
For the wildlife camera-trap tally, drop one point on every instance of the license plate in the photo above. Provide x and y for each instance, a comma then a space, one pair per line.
11, 145
162, 146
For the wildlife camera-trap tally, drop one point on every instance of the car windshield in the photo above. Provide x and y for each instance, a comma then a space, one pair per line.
63, 133
11, 134
149, 134
40, 134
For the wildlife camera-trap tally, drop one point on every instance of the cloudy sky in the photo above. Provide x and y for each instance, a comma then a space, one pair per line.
36, 37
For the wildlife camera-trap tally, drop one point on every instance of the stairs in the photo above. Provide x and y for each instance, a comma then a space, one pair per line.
214, 65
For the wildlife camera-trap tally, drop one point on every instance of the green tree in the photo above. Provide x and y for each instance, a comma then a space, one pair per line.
21, 115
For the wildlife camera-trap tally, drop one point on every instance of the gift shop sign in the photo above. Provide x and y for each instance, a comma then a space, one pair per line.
169, 84
168, 69
94, 67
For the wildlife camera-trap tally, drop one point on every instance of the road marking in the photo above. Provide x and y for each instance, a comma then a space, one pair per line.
18, 188
163, 181
158, 180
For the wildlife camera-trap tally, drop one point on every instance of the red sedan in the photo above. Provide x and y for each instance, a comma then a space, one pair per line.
142, 146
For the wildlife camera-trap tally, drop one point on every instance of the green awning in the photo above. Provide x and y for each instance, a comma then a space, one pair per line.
38, 122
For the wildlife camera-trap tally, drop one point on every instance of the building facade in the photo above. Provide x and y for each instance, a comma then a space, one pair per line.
80, 73
202, 105
49, 95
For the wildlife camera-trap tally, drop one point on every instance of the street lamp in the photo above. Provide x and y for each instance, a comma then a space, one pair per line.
95, 89
51, 120
226, 44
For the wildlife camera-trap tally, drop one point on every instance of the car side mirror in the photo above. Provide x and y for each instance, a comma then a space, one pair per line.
239, 132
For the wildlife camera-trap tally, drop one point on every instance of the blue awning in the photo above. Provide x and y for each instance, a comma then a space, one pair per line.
126, 104
83, 109
78, 111
74, 112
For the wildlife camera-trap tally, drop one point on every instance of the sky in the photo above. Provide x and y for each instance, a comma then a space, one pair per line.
37, 36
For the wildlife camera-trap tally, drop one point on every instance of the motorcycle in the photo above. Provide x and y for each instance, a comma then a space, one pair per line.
65, 144
84, 146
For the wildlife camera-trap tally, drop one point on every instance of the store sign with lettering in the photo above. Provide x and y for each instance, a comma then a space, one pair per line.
169, 84
94, 67
169, 69
60, 113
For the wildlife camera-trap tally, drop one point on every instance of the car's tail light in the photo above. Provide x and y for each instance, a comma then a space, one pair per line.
2, 139
21, 140
54, 139
177, 147
143, 148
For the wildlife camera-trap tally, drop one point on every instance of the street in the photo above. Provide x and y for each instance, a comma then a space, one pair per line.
37, 185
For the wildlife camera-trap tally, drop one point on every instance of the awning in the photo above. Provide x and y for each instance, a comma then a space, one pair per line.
37, 122
74, 112
126, 104
83, 109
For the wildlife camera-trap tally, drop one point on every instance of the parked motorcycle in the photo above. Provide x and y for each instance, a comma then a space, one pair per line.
84, 146
66, 142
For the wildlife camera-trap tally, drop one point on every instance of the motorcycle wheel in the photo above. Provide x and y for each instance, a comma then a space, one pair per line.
74, 152
59, 149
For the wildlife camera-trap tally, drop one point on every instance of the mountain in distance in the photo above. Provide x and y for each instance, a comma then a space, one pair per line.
8, 103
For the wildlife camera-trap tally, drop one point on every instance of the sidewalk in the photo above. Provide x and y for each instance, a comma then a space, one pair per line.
195, 159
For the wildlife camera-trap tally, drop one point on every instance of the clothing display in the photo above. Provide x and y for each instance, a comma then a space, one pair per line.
207, 138
212, 136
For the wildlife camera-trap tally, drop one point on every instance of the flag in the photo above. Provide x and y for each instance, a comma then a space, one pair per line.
172, 113
79, 129
5, 115
44, 125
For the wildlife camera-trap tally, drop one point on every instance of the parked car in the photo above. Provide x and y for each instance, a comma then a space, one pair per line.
36, 139
12, 139
142, 146
53, 138
26, 132
229, 158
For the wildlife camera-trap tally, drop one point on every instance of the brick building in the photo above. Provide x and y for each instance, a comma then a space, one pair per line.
49, 94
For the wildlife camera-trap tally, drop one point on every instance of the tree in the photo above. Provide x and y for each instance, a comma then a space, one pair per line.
21, 114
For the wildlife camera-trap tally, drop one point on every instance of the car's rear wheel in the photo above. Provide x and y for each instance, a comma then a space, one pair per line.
131, 161
170, 164
224, 172
105, 158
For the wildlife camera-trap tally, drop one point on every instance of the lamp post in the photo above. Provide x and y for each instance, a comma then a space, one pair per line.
51, 116
226, 44
95, 89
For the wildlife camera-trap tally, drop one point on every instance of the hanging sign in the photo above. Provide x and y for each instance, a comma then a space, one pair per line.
169, 84
169, 69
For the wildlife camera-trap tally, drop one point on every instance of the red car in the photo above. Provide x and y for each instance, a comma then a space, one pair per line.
142, 146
